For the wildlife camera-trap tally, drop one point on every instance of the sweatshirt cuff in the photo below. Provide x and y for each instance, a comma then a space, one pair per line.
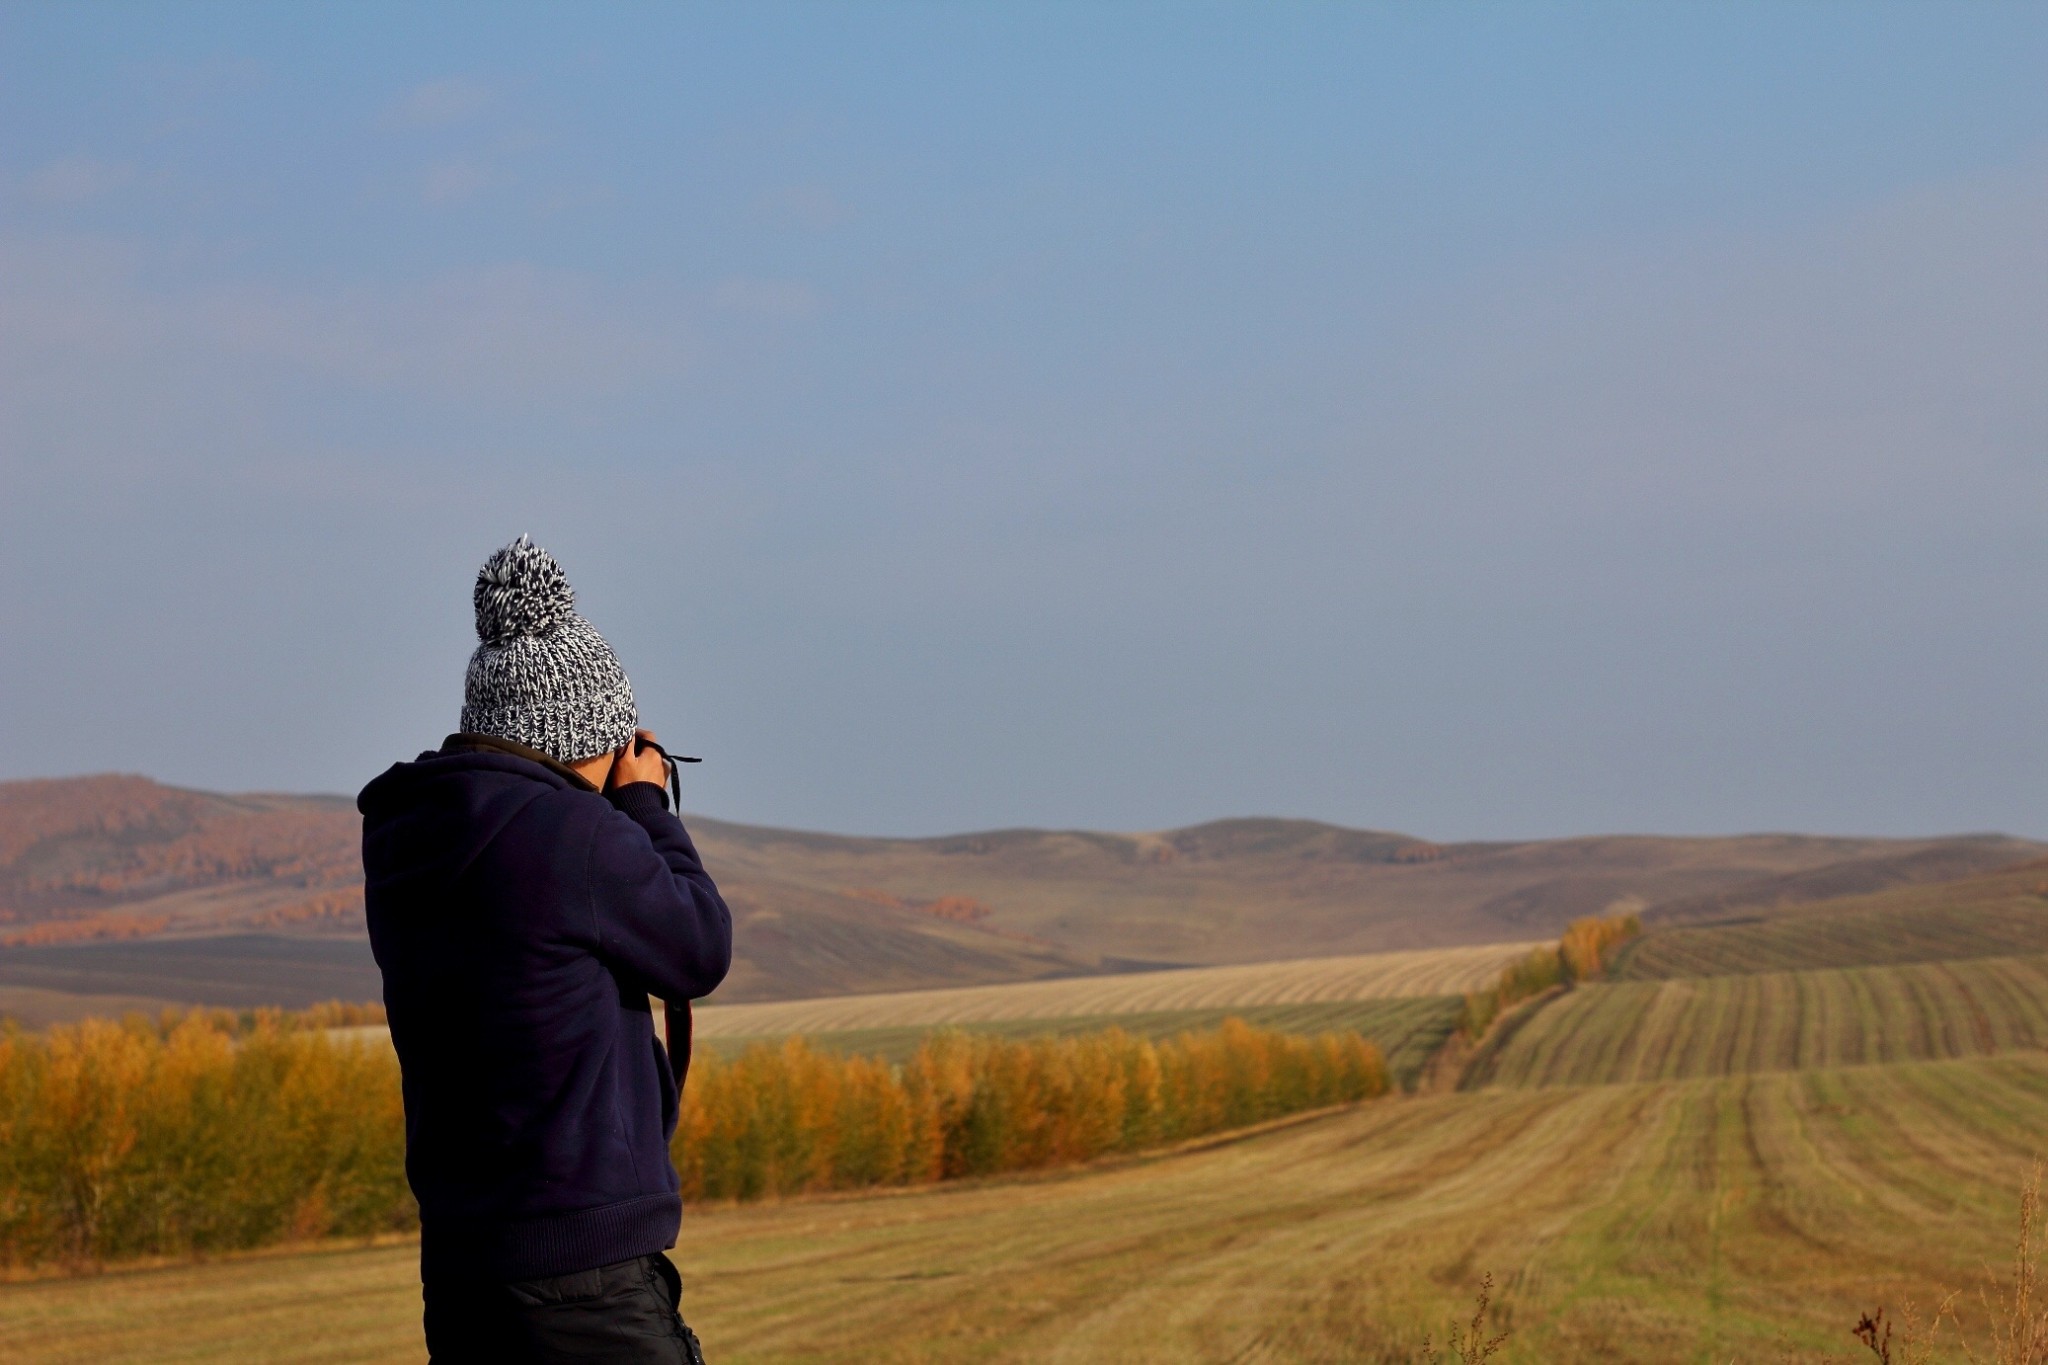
639, 799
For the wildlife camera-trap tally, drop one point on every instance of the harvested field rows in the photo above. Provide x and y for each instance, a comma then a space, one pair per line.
1374, 976
1407, 1031
2005, 919
1746, 1218
1776, 1021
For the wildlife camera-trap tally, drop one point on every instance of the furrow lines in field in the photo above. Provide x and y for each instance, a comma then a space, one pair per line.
1752, 1037
2001, 1008
1996, 918
1590, 1032
1935, 1012
2024, 985
1911, 1132
1794, 1054
1658, 1033
1608, 1033
1865, 1025
2017, 999
1619, 1050
1712, 1041
1906, 1030
1962, 1033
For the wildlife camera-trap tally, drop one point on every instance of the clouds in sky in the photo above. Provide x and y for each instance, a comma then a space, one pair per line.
957, 427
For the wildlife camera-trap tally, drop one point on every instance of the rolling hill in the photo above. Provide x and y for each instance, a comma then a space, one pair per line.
116, 890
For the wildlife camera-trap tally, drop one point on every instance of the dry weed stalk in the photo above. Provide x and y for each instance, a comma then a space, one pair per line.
2019, 1320
2019, 1317
1916, 1339
1470, 1345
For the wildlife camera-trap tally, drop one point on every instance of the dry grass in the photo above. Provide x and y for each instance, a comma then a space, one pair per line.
2014, 1320
1910, 1339
2017, 1313
1373, 976
1470, 1344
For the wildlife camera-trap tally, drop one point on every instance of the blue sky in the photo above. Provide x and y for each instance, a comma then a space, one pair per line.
1480, 421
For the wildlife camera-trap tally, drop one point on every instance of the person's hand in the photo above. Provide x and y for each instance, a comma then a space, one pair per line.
637, 764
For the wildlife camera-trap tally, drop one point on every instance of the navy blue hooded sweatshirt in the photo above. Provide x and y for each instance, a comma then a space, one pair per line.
521, 920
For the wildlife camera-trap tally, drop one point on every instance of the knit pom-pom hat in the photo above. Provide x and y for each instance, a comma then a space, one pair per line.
542, 676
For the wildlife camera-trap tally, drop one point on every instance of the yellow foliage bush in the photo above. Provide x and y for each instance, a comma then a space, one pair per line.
210, 1132
789, 1119
127, 1140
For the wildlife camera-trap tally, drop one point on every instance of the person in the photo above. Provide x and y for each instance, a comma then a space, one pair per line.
528, 889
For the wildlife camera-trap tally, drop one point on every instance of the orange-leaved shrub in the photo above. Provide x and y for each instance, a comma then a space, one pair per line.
133, 1139
1582, 954
788, 1119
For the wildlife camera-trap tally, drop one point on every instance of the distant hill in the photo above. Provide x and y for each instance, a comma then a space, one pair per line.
120, 887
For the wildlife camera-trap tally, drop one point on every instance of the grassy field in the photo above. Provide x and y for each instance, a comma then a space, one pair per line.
1689, 1221
1407, 1031
1373, 976
1777, 1021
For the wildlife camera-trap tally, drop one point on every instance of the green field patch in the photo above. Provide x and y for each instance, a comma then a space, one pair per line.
1406, 1031
1776, 1021
1987, 917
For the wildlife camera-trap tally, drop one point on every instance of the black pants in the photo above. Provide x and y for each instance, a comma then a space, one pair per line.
620, 1314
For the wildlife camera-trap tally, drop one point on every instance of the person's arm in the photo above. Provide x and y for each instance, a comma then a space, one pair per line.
657, 913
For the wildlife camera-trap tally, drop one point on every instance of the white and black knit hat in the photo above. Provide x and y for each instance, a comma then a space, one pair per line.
543, 676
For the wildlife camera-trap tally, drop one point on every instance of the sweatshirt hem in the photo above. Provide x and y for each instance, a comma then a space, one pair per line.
529, 1248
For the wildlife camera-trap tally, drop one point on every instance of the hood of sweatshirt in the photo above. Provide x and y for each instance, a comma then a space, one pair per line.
432, 817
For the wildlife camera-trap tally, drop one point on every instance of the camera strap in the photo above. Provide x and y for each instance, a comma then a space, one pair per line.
675, 775
676, 1016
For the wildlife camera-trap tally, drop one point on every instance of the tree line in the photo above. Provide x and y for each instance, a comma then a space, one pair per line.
791, 1119
213, 1131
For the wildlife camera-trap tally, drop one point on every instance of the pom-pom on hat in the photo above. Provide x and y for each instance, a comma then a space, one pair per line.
542, 676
